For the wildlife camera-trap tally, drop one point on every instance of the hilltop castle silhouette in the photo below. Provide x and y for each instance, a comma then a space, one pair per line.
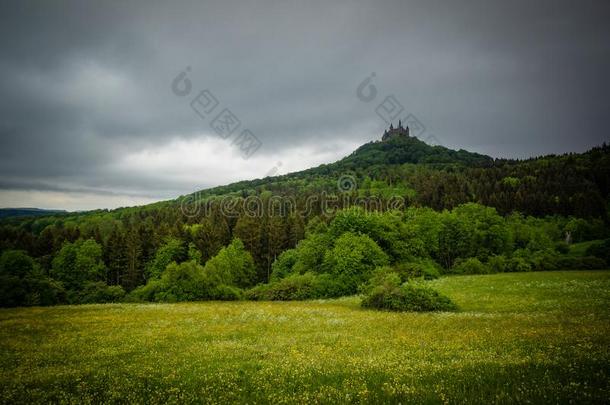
394, 132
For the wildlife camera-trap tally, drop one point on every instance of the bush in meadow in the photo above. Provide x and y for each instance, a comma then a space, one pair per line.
390, 295
471, 265
423, 268
100, 292
299, 287
517, 265
497, 263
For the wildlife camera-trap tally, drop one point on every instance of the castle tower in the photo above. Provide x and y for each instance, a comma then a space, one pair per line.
395, 132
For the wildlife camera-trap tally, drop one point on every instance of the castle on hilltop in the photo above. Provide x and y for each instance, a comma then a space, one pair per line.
394, 132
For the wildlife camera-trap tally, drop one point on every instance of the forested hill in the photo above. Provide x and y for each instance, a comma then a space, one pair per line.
394, 151
441, 178
129, 241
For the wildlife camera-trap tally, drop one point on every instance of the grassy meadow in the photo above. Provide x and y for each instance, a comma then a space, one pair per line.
539, 337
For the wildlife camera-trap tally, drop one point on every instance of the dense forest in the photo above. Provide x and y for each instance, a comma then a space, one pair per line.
400, 204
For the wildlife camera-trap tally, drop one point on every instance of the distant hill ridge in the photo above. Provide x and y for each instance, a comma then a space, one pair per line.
27, 212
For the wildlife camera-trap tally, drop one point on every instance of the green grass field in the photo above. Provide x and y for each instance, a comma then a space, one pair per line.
527, 337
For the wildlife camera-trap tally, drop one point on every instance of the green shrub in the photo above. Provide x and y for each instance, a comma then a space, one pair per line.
183, 282
172, 251
258, 292
583, 230
581, 263
179, 282
424, 268
562, 247
329, 286
220, 279
352, 260
77, 263
540, 241
310, 253
233, 265
471, 265
384, 275
294, 287
225, 293
593, 263
544, 261
600, 249
518, 264
99, 292
145, 292
299, 287
497, 264
353, 220
283, 265
410, 296
549, 261
43, 291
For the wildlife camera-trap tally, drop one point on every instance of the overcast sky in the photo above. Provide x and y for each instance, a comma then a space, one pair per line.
89, 117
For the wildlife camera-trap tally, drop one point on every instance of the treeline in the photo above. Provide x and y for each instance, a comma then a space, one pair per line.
571, 193
105, 261
340, 257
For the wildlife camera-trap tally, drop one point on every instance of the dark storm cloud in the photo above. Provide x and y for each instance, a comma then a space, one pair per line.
86, 85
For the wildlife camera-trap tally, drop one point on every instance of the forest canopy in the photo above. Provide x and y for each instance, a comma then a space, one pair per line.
459, 213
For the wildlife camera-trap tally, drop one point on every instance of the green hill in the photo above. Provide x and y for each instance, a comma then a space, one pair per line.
523, 208
394, 152
441, 178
